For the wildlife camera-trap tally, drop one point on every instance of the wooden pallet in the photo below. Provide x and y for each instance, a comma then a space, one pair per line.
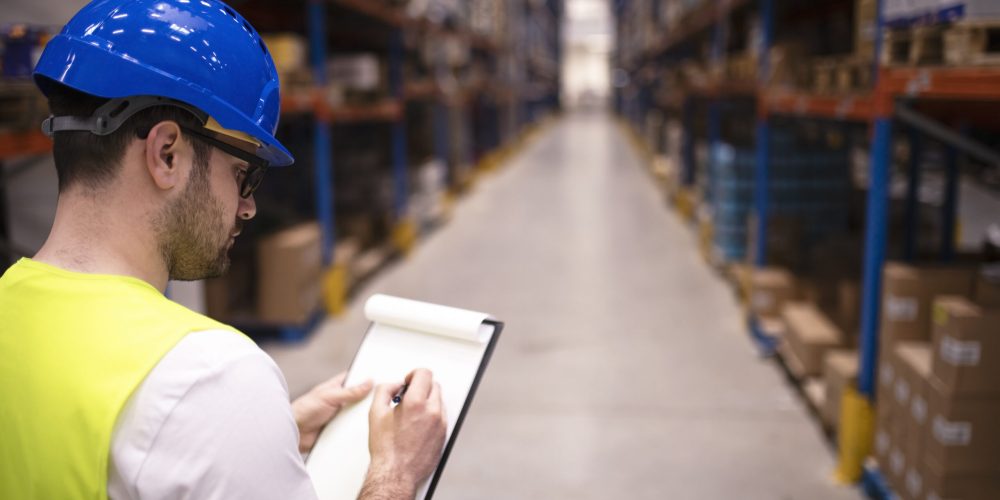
915, 46
853, 74
824, 73
973, 43
963, 43
841, 75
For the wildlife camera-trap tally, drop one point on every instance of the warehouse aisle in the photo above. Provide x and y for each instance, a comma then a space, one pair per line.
625, 371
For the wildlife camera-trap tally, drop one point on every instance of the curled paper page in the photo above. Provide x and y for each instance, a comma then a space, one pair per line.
404, 335
428, 318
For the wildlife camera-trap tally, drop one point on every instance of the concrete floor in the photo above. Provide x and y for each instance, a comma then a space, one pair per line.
624, 371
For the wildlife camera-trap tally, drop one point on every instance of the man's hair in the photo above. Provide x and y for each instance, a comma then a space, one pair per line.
94, 160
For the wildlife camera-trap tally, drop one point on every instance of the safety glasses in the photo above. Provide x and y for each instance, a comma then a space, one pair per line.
257, 165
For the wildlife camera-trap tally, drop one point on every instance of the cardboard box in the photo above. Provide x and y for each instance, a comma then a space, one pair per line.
883, 394
771, 288
896, 475
901, 393
907, 295
964, 435
865, 27
883, 445
849, 307
913, 482
988, 287
840, 370
913, 362
289, 266
966, 347
810, 335
939, 485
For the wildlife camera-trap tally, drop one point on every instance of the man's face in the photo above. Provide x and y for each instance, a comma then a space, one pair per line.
200, 226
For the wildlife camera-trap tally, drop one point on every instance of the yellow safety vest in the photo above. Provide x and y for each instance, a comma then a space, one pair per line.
73, 348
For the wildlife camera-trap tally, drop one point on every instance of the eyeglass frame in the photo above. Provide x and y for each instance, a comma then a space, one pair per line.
257, 166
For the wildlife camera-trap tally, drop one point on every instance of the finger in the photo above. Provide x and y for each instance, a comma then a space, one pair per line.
420, 382
338, 380
434, 402
346, 395
382, 401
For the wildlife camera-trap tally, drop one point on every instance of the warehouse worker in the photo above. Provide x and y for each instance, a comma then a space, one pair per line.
164, 115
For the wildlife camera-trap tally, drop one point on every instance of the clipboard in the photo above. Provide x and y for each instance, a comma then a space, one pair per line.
455, 344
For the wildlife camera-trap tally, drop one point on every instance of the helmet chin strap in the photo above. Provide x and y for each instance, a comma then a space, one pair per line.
110, 116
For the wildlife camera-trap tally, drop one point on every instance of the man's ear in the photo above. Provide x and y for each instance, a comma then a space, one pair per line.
163, 145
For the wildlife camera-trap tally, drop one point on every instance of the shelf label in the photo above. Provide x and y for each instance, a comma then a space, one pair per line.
882, 442
901, 308
886, 374
896, 461
919, 83
958, 353
918, 408
902, 391
914, 483
952, 433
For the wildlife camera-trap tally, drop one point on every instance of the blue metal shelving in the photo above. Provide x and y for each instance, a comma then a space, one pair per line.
879, 109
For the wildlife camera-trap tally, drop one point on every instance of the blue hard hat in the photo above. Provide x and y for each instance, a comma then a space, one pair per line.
199, 52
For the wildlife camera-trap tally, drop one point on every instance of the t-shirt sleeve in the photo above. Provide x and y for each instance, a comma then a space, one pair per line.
212, 421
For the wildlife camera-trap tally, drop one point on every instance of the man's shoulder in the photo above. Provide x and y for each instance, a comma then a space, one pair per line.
216, 348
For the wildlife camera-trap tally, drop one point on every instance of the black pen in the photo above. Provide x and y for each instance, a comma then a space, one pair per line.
399, 394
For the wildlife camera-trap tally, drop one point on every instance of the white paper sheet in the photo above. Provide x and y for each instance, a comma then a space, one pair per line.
404, 335
424, 317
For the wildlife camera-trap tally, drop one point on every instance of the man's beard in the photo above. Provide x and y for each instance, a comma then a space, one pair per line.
193, 240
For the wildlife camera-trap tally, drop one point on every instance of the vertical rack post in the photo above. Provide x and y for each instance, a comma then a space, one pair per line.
763, 137
874, 256
913, 196
404, 232
687, 142
949, 204
399, 125
322, 148
875, 225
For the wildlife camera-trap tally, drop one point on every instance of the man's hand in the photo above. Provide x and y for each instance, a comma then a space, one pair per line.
317, 407
405, 440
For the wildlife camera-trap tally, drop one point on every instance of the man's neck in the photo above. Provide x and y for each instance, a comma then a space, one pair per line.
89, 237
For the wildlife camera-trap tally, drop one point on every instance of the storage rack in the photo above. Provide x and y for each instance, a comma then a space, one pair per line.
13, 146
524, 89
908, 96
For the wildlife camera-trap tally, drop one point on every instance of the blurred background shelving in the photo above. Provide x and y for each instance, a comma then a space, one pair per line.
809, 144
390, 108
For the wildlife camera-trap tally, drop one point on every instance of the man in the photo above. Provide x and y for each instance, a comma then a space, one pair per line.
163, 123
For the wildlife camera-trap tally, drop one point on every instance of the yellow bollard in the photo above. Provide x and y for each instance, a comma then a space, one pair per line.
334, 286
857, 428
404, 236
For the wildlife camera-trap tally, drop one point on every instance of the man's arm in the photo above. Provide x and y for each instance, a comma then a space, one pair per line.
211, 420
405, 440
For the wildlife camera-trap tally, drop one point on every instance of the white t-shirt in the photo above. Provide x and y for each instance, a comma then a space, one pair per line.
212, 420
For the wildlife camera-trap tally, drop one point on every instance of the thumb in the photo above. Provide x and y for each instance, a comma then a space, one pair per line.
347, 395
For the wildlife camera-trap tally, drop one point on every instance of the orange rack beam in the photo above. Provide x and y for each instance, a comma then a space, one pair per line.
312, 101
856, 107
943, 82
389, 15
14, 144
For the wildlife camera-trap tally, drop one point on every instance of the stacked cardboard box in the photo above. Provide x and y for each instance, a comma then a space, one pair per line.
937, 435
840, 370
907, 297
289, 265
810, 335
988, 286
770, 289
